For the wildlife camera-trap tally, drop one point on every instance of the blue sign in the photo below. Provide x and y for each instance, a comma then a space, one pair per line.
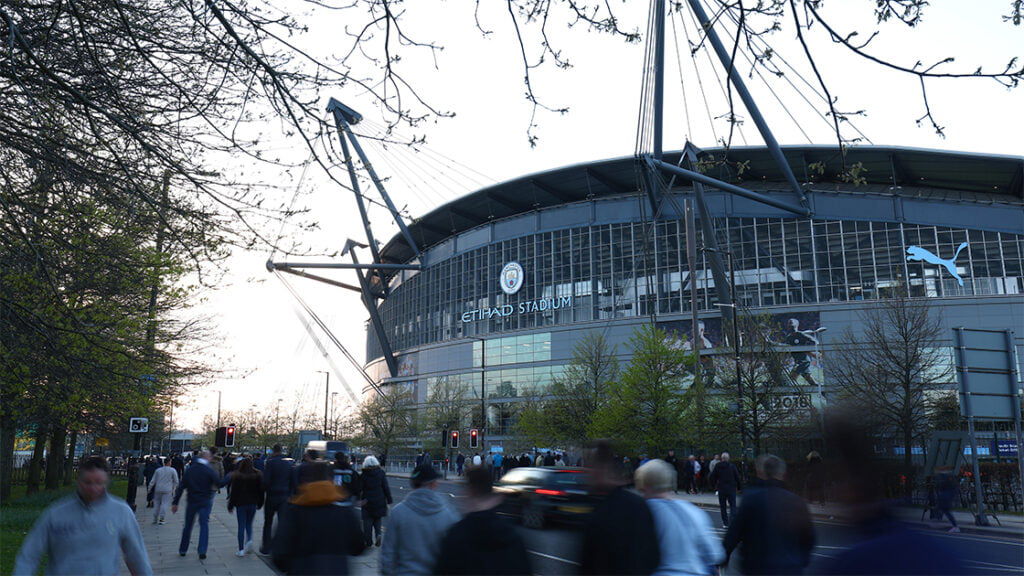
1007, 448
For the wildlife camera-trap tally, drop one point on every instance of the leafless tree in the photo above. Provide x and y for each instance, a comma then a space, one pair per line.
888, 370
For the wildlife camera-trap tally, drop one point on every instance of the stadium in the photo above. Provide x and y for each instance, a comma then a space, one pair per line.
512, 276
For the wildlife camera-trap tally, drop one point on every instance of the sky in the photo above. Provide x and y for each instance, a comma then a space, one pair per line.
263, 346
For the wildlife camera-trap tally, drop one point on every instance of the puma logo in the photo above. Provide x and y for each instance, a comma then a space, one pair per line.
917, 254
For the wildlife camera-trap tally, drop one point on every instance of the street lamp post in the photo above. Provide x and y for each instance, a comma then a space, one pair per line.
334, 421
327, 397
736, 347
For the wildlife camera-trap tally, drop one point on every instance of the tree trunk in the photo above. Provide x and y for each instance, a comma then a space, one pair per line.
69, 462
55, 463
36, 466
908, 463
7, 434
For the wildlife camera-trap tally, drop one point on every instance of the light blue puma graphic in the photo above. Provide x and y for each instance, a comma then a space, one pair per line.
916, 253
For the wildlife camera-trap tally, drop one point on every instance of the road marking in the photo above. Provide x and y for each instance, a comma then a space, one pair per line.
832, 547
549, 557
995, 569
822, 555
995, 564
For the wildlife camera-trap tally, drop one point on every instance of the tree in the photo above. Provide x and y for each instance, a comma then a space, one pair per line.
645, 406
887, 371
564, 415
708, 422
385, 420
447, 408
762, 368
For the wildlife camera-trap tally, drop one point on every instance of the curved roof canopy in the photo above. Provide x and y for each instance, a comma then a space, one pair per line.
1000, 177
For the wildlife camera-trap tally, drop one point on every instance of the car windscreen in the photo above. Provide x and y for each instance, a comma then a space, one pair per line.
570, 479
523, 476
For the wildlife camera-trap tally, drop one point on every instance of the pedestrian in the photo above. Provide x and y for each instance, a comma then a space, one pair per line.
619, 537
162, 486
375, 496
695, 479
246, 497
302, 472
549, 458
711, 468
152, 465
773, 526
416, 526
814, 482
460, 461
539, 461
179, 464
259, 461
559, 463
216, 462
726, 481
344, 476
525, 460
702, 473
201, 481
318, 529
947, 490
496, 460
277, 487
86, 532
477, 461
482, 542
689, 470
686, 539
883, 544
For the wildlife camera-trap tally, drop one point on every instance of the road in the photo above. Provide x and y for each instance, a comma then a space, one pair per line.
555, 550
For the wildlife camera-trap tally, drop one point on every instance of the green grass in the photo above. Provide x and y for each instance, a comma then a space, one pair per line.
19, 513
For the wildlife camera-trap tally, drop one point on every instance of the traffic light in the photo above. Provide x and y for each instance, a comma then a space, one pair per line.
444, 438
455, 439
229, 437
474, 438
220, 437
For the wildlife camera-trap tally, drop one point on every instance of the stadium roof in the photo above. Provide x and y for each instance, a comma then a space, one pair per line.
998, 178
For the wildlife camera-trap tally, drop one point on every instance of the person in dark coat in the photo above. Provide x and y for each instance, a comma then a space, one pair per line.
672, 461
318, 530
884, 545
725, 478
773, 526
201, 481
620, 537
814, 483
947, 491
277, 486
345, 476
375, 495
482, 542
245, 497
152, 465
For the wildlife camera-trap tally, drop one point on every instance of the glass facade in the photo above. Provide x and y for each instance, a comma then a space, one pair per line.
636, 269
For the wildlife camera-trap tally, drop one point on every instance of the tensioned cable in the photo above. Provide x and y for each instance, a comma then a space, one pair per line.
480, 178
700, 81
325, 355
682, 84
718, 79
327, 331
799, 92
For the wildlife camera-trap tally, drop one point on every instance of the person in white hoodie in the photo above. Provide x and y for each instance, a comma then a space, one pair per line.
162, 484
416, 526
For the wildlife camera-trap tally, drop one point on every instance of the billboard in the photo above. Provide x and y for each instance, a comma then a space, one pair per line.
797, 333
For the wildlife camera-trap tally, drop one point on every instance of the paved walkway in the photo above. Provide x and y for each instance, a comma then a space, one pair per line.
162, 545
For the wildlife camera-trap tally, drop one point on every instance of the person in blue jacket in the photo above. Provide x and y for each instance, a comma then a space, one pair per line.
202, 482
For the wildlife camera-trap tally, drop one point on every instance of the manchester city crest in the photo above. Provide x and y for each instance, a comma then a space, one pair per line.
511, 278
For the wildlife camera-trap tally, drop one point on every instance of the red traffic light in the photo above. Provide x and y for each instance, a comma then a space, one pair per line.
455, 439
229, 437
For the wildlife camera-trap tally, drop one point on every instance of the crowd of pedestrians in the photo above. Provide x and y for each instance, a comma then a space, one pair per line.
639, 524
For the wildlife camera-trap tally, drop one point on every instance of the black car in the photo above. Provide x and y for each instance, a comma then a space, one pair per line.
542, 495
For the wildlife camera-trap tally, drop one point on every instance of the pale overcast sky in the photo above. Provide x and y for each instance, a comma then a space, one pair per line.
480, 79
